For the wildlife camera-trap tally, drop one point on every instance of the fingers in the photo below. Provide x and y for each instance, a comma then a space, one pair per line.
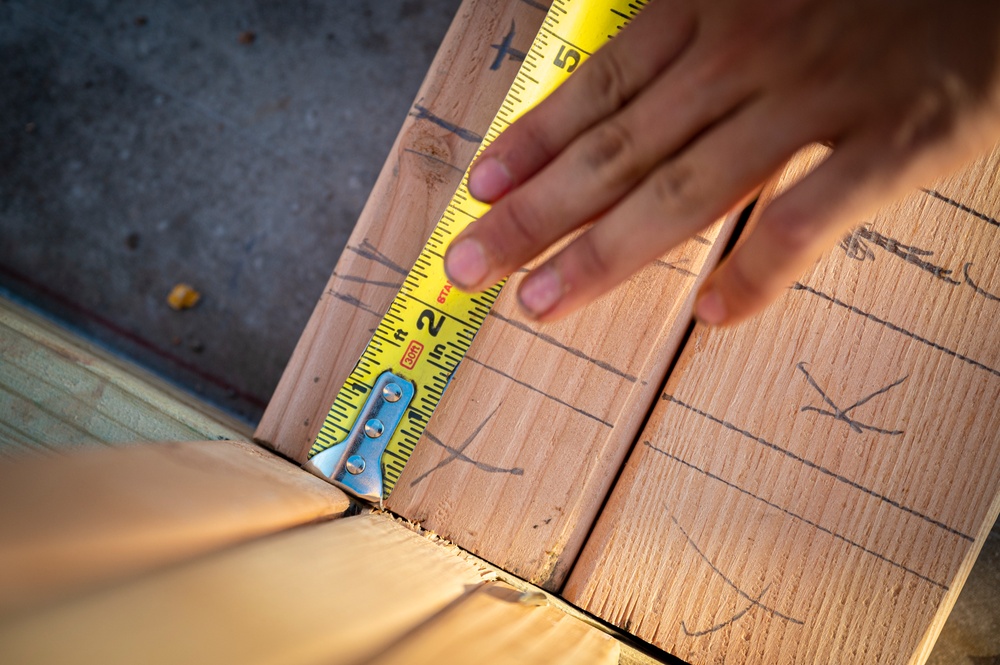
603, 84
796, 227
680, 196
596, 170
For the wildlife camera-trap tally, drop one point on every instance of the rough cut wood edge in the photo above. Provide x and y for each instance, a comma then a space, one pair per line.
500, 625
861, 548
78, 521
336, 592
539, 418
58, 390
453, 109
631, 650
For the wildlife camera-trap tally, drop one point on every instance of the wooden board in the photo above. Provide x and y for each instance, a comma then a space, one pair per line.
58, 392
526, 442
77, 521
331, 593
499, 625
815, 484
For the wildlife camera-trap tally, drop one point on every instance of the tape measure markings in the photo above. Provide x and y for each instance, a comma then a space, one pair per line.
429, 326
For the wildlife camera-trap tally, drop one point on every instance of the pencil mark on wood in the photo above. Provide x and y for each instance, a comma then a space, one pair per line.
505, 50
434, 159
975, 287
369, 251
701, 240
536, 5
817, 467
961, 206
798, 286
559, 345
458, 453
754, 602
675, 266
856, 247
353, 302
841, 414
395, 286
423, 113
540, 392
796, 516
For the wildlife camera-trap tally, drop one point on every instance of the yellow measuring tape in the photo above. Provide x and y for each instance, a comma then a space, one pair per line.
384, 406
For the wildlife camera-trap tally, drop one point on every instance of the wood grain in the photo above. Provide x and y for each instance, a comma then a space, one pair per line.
499, 625
526, 442
815, 484
77, 521
59, 392
331, 593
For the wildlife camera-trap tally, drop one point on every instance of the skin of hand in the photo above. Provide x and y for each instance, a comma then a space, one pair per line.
695, 104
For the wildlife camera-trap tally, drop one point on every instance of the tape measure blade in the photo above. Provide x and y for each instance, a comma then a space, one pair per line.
430, 325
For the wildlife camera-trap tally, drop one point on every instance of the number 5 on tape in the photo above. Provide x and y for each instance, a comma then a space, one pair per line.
381, 411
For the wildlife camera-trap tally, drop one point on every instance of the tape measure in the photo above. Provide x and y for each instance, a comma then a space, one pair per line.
381, 411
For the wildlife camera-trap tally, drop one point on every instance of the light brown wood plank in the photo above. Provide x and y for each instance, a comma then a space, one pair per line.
497, 624
76, 521
331, 593
58, 390
816, 483
526, 442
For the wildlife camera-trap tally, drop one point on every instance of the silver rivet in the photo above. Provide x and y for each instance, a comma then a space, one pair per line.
391, 392
374, 428
355, 464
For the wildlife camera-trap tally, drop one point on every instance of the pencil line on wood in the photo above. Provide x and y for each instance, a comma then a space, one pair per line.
822, 469
565, 347
829, 532
540, 392
798, 286
729, 582
961, 206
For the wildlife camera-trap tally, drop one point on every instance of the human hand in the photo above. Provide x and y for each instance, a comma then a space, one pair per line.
694, 105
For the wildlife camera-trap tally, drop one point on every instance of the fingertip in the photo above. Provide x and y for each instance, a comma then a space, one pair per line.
489, 179
465, 263
710, 308
541, 291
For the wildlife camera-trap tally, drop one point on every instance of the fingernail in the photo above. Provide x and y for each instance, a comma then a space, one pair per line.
465, 263
489, 180
710, 309
541, 291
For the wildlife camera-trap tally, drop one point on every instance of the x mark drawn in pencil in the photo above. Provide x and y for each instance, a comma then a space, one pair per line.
754, 601
837, 413
458, 453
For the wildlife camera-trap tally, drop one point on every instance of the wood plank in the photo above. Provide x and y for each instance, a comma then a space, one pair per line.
537, 421
499, 624
58, 390
815, 484
76, 521
336, 592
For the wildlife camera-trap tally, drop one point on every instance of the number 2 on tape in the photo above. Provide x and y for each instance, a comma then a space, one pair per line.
381, 411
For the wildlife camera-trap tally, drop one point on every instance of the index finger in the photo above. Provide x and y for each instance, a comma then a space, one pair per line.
605, 82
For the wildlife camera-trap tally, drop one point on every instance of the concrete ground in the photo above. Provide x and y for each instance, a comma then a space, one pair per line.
229, 146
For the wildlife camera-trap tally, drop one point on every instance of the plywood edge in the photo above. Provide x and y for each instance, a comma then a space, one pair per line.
632, 651
334, 592
186, 417
499, 624
79, 521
